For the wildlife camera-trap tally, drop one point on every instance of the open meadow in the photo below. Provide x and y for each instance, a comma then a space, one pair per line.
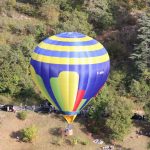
49, 139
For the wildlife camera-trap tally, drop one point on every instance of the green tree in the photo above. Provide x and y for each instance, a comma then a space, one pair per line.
140, 89
50, 12
119, 120
76, 21
99, 14
141, 53
100, 102
147, 109
34, 2
14, 66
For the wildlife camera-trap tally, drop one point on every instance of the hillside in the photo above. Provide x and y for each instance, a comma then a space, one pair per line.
123, 28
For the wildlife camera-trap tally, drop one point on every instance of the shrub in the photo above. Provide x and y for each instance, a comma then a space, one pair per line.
34, 2
139, 89
147, 110
26, 9
100, 15
11, 3
50, 13
29, 134
116, 50
30, 29
16, 29
74, 141
41, 32
14, 61
116, 77
148, 145
137, 4
84, 142
76, 21
119, 119
22, 115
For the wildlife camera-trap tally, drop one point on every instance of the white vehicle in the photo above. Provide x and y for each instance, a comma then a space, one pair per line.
98, 141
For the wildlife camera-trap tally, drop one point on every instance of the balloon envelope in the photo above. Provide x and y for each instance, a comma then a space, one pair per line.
69, 69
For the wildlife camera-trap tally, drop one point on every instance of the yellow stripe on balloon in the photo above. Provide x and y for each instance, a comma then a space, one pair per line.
56, 38
71, 61
68, 84
69, 118
94, 47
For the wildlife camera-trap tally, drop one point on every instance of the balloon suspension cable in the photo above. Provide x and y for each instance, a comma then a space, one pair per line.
70, 126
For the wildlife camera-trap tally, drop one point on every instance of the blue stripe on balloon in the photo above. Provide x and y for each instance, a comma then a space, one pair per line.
78, 54
84, 43
70, 113
70, 35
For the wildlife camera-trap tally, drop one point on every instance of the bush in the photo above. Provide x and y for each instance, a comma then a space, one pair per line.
14, 61
11, 3
29, 134
40, 32
16, 29
34, 2
137, 4
74, 141
22, 115
116, 77
100, 102
116, 50
118, 81
26, 9
100, 15
119, 120
148, 145
50, 12
30, 29
140, 89
84, 142
76, 21
147, 110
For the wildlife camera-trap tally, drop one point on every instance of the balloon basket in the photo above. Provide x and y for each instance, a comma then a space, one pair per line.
69, 130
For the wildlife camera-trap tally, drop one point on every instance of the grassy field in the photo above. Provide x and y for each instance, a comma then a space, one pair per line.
48, 139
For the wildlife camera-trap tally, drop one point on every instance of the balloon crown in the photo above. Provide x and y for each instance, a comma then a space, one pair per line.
70, 35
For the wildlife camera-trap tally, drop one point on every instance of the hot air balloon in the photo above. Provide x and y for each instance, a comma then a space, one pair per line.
69, 69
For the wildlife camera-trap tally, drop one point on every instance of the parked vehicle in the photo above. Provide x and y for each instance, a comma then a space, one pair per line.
7, 108
137, 117
45, 107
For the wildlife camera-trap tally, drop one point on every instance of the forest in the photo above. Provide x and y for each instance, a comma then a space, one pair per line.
122, 26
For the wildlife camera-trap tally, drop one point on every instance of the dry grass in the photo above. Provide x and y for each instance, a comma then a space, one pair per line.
48, 137
45, 140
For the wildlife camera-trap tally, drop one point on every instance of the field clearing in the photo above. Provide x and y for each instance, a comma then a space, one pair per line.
9, 123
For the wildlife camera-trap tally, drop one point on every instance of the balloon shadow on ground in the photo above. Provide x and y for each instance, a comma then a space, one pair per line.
57, 131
